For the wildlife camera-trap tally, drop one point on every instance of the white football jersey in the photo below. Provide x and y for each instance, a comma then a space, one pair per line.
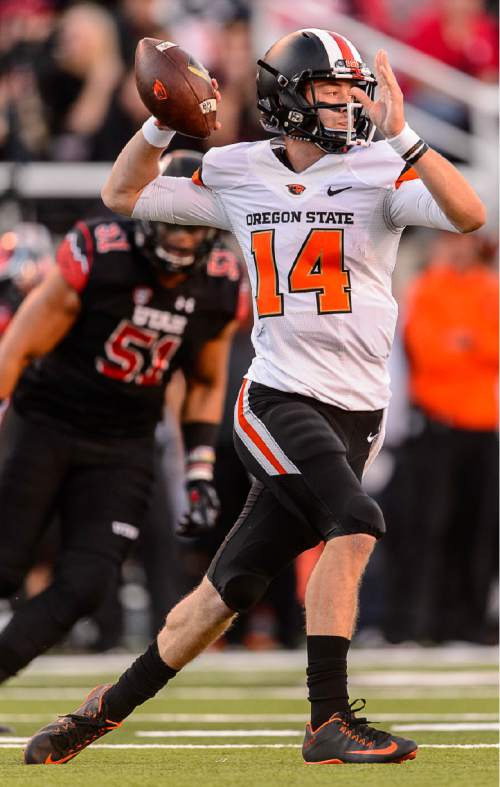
320, 247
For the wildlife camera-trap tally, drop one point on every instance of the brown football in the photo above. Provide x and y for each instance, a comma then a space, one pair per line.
175, 87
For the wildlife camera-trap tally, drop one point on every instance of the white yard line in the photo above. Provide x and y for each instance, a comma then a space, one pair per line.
256, 733
459, 746
249, 745
392, 678
283, 693
449, 727
277, 733
299, 693
245, 661
45, 693
238, 718
219, 733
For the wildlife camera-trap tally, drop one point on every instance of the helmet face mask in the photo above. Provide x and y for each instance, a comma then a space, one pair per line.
175, 248
157, 241
297, 62
359, 130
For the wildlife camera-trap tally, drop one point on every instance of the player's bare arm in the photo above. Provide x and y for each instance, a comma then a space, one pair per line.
136, 166
456, 198
206, 387
43, 319
201, 416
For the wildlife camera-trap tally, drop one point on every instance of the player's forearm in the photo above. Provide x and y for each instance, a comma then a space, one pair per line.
135, 167
456, 198
206, 386
13, 359
10, 371
201, 417
204, 402
43, 319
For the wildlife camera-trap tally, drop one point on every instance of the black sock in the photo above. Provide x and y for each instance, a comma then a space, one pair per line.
147, 675
327, 677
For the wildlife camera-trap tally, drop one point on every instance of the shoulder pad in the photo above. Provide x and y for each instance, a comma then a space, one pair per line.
377, 165
75, 256
225, 167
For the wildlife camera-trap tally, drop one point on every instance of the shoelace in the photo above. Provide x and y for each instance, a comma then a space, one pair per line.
363, 732
69, 737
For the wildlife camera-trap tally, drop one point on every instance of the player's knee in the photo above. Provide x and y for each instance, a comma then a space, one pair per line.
242, 591
363, 515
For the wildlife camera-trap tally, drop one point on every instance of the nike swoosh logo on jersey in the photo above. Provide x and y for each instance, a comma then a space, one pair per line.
371, 437
331, 192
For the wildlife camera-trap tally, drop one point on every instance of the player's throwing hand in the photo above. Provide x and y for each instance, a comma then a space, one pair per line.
388, 112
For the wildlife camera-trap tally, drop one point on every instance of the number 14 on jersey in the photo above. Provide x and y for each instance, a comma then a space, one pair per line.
318, 267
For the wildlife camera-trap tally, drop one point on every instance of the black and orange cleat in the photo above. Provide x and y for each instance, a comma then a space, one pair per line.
345, 738
64, 738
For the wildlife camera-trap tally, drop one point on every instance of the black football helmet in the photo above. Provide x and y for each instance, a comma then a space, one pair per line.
156, 239
295, 61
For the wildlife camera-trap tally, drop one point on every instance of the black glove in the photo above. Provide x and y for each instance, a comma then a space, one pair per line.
203, 511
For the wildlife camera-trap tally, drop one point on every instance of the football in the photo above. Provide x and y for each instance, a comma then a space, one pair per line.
175, 87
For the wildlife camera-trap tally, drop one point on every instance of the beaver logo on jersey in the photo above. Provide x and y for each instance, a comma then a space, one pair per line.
295, 188
142, 295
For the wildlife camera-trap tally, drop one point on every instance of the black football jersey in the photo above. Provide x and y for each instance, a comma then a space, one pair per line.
109, 373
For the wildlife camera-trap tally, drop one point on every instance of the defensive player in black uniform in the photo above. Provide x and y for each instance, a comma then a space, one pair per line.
127, 304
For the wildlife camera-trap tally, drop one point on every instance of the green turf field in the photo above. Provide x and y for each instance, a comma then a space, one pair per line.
237, 719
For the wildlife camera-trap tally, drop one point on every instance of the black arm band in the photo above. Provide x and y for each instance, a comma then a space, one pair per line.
416, 152
197, 433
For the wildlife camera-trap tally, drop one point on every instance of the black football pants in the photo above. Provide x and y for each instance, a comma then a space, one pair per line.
100, 489
307, 459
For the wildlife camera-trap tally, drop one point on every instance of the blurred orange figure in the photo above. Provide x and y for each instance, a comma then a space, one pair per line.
450, 460
451, 336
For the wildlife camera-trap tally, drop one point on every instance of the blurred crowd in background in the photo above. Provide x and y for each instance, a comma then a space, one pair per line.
67, 89
67, 94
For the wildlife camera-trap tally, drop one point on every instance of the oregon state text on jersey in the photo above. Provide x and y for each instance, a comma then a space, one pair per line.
320, 257
108, 375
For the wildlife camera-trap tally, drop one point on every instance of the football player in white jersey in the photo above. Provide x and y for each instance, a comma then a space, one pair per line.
318, 212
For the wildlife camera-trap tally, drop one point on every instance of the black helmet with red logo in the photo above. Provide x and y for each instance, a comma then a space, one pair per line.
161, 242
294, 62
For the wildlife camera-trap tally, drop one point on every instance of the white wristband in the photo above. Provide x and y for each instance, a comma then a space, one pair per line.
158, 137
404, 141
